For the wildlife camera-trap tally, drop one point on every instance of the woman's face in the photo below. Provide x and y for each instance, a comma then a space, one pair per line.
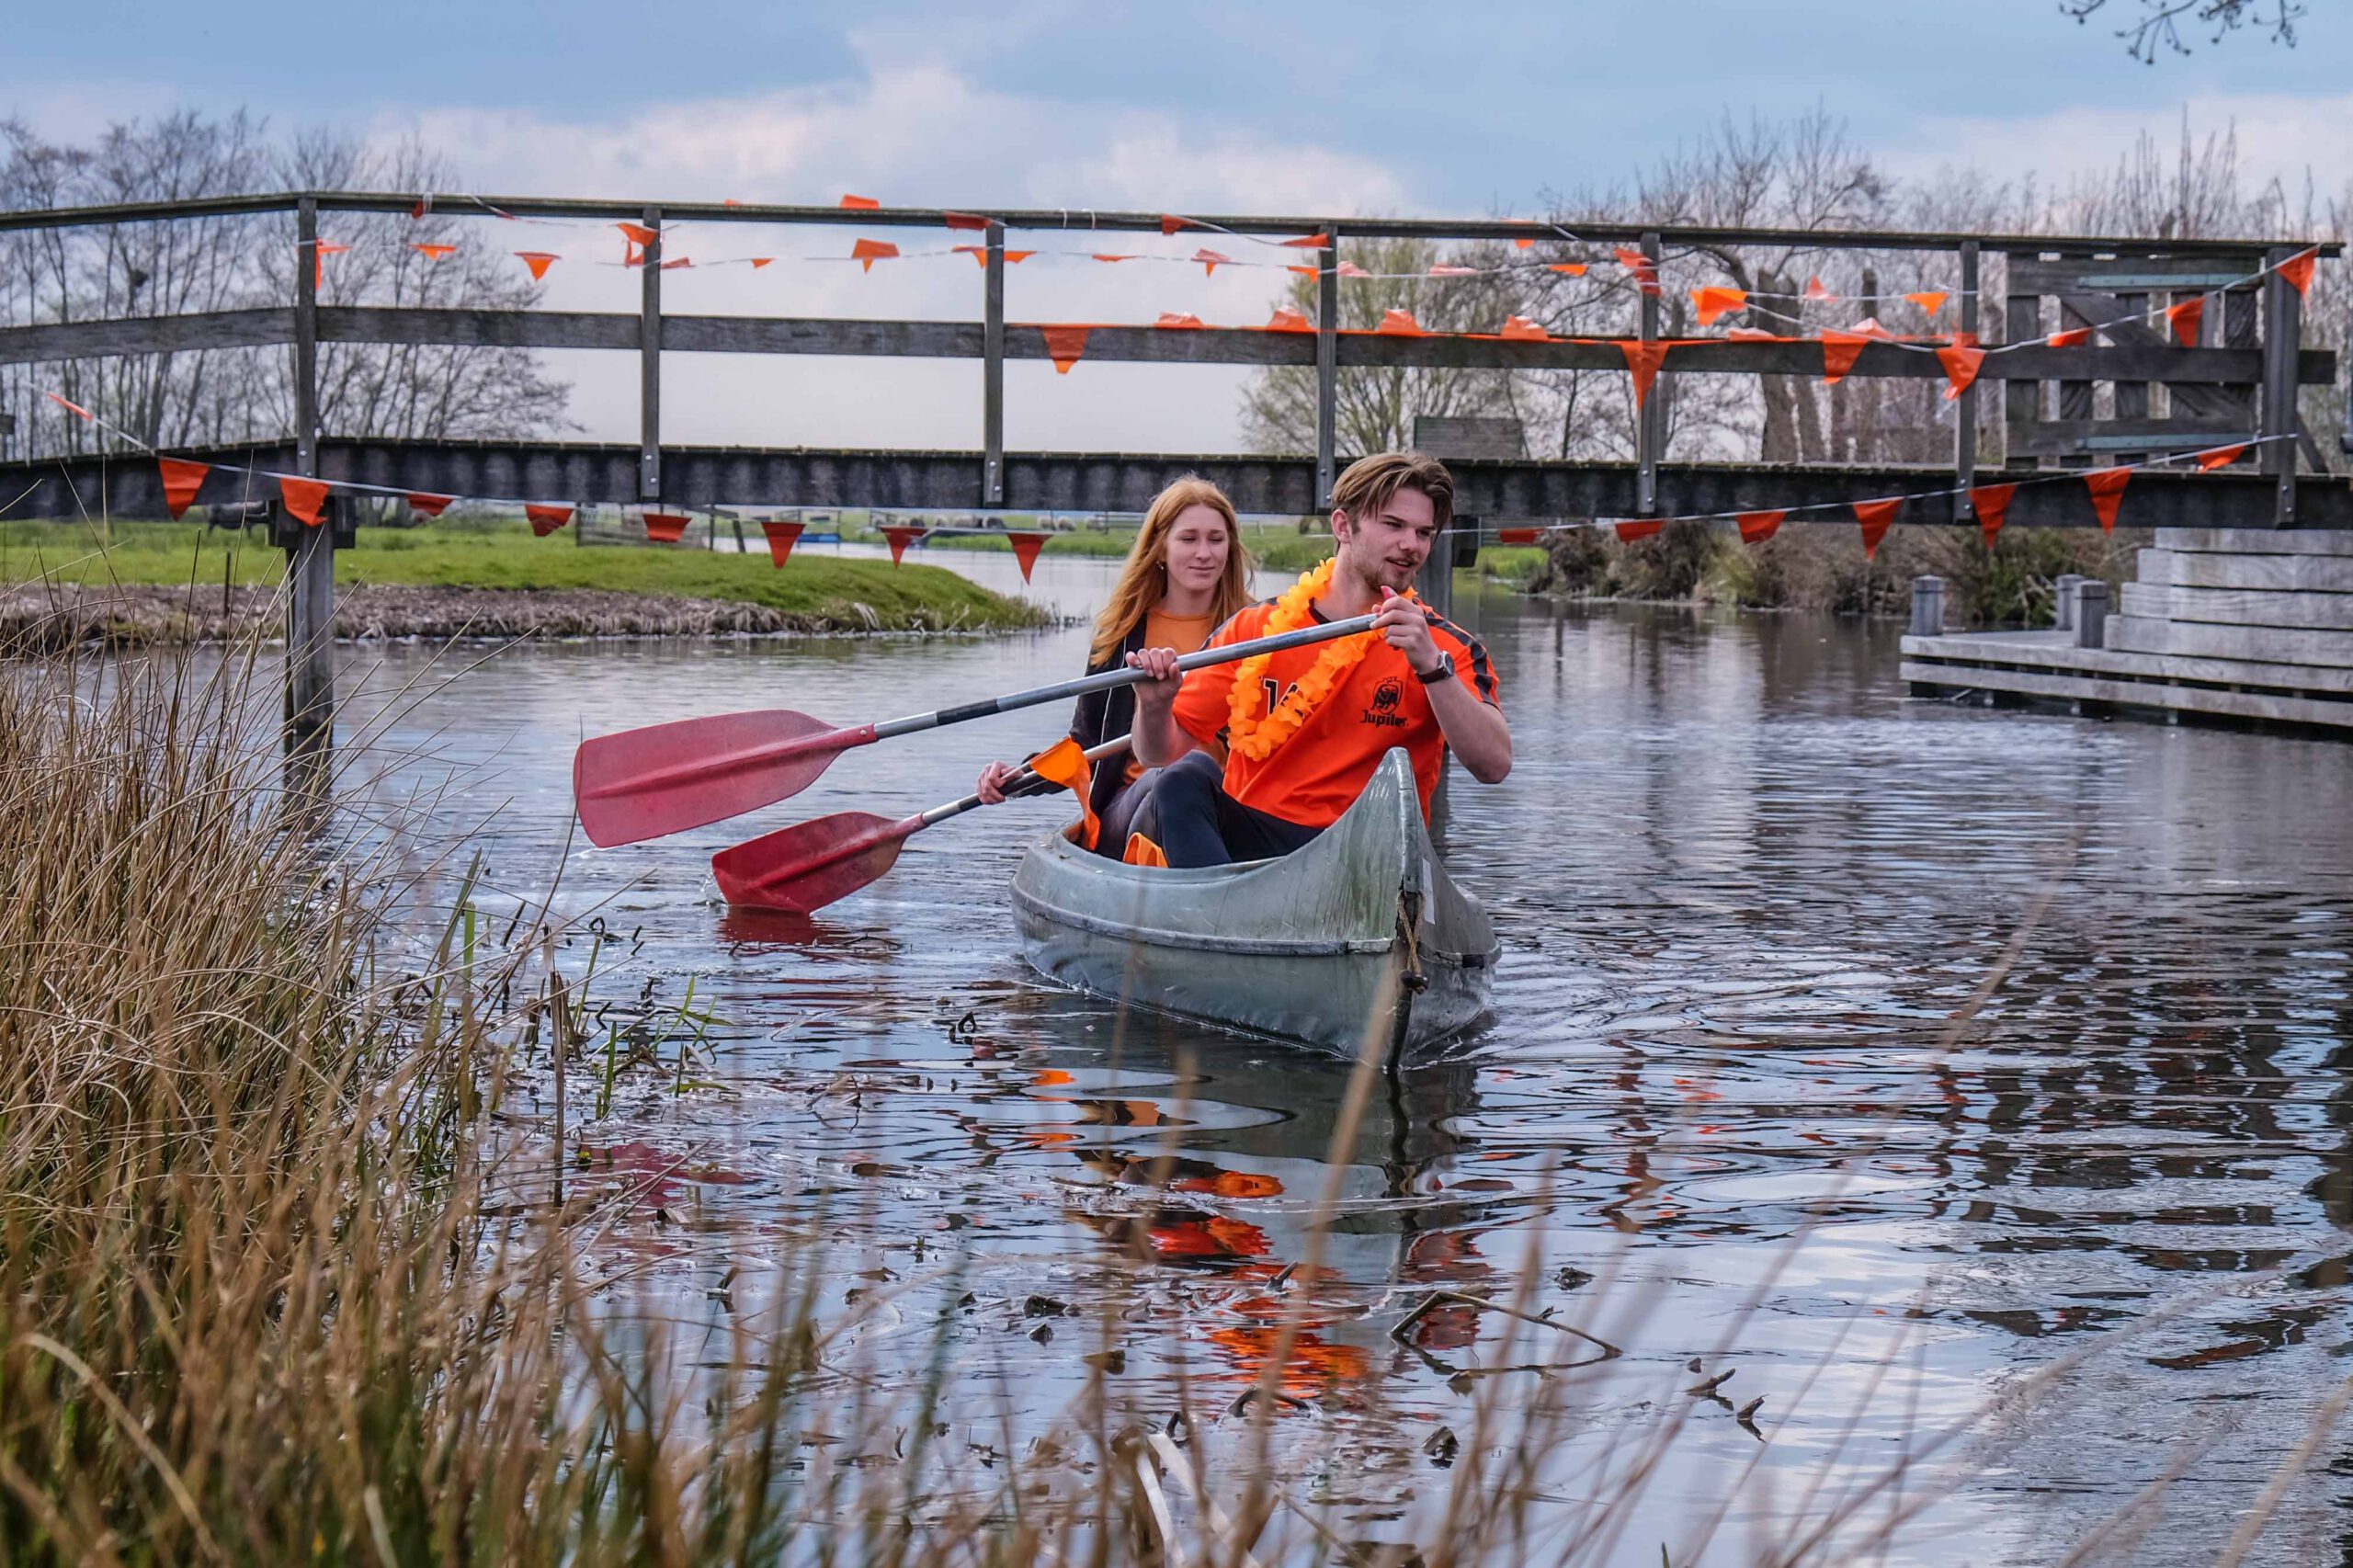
1196, 552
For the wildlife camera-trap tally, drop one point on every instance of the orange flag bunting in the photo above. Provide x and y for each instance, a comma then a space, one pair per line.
1309, 242
674, 266
1868, 327
1816, 292
545, 520
1752, 335
973, 220
1063, 346
2186, 316
432, 252
1177, 319
1931, 301
1645, 271
1025, 546
666, 527
182, 479
1839, 350
1643, 360
1711, 304
2297, 270
1400, 323
1570, 269
1961, 361
1756, 528
425, 503
1350, 269
1305, 271
2070, 338
1641, 528
71, 407
899, 537
980, 254
760, 261
866, 253
1875, 515
303, 497
782, 538
1991, 504
2107, 486
538, 261
2220, 457
865, 202
1111, 256
1519, 329
1517, 536
319, 251
1446, 270
1285, 319
1210, 261
1064, 763
1169, 223
639, 234
1523, 243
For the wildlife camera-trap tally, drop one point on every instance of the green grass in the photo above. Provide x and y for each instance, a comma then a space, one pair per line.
506, 555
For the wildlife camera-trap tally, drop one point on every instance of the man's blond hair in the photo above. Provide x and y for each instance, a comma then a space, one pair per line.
1370, 483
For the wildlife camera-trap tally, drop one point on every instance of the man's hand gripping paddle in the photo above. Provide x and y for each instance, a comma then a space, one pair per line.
803, 867
664, 779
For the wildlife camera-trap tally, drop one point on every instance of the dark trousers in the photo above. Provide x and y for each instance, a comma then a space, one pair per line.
1200, 825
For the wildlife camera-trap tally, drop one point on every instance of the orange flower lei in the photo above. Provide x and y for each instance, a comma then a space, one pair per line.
1256, 735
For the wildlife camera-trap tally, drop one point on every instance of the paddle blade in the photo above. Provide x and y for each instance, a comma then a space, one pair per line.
642, 783
803, 867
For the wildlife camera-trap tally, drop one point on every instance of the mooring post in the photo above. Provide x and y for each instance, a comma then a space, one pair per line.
2063, 609
1927, 607
993, 372
649, 364
1327, 368
310, 550
1964, 408
2091, 613
2282, 337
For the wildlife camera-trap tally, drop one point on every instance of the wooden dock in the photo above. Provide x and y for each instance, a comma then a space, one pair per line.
2235, 624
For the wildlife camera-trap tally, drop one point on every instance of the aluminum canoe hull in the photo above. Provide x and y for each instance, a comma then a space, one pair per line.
1361, 932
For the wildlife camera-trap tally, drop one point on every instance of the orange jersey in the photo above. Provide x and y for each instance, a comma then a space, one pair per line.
1318, 773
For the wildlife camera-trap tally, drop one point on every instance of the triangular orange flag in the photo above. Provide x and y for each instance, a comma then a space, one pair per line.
1309, 242
1991, 504
972, 221
1816, 292
1210, 261
1517, 536
1868, 327
1350, 269
781, 537
1711, 302
303, 496
1111, 256
1756, 528
2297, 270
1305, 271
538, 261
545, 520
666, 527
1523, 243
2220, 457
1961, 361
319, 251
866, 201
1016, 257
1400, 323
631, 255
1285, 319
1025, 546
1639, 527
1169, 223
674, 266
980, 254
1875, 515
425, 503
1064, 763
639, 234
1519, 329
71, 407
866, 253
1839, 350
2186, 316
2070, 338
760, 261
2107, 486
1931, 301
901, 536
1644, 269
1447, 269
1644, 359
1063, 346
182, 479
432, 252
1177, 319
1569, 268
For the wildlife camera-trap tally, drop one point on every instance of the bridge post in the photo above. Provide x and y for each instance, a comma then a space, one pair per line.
1650, 416
2282, 336
649, 365
993, 372
1327, 368
310, 551
1964, 440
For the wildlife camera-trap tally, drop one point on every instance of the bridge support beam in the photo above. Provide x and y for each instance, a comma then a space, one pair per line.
310, 551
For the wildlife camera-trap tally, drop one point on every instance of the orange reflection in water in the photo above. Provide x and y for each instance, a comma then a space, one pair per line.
1316, 1363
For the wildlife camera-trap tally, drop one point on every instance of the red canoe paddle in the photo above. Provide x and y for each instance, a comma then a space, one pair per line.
803, 867
664, 779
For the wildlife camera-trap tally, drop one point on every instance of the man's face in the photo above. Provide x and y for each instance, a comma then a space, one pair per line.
1386, 548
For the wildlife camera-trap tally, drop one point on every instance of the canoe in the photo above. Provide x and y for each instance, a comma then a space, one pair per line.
1362, 930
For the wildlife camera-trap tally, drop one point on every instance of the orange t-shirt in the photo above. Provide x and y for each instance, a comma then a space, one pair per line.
1183, 632
1318, 773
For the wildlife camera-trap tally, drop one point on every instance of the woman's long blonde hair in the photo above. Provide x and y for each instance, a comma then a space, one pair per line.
1144, 579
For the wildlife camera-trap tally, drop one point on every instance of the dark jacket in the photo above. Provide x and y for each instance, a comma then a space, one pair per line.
1099, 717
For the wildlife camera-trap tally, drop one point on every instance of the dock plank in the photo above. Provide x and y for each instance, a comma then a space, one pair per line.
2135, 694
2256, 542
2057, 652
2263, 645
2230, 607
2259, 573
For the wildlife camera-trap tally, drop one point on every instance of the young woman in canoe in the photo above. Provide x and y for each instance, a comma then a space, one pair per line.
1186, 575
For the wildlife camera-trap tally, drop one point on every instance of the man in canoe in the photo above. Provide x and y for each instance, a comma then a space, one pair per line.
1305, 728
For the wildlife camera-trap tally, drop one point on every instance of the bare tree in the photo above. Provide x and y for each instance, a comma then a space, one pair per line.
2158, 24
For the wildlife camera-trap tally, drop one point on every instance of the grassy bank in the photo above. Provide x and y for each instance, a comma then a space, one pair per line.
491, 578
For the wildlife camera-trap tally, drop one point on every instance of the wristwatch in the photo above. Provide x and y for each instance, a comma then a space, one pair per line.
1445, 670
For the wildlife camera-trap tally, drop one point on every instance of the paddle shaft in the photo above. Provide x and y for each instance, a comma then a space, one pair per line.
1109, 680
